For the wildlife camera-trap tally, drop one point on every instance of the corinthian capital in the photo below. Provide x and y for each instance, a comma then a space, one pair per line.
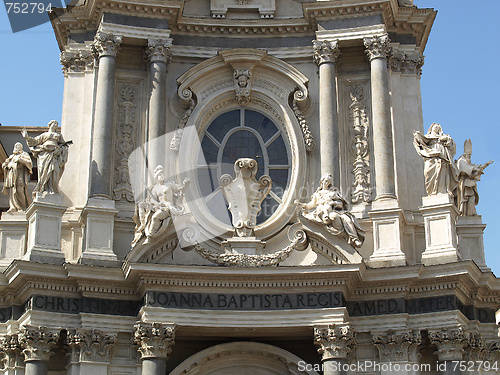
377, 47
90, 345
106, 44
326, 51
397, 346
37, 343
159, 50
154, 340
334, 342
11, 350
79, 60
450, 342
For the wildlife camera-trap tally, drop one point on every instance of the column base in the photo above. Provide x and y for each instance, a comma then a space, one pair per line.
388, 220
439, 214
99, 216
44, 229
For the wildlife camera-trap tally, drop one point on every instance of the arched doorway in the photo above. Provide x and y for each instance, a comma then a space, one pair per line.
243, 358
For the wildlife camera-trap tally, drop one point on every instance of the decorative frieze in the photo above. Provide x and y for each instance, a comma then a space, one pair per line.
377, 47
326, 51
90, 345
159, 50
154, 340
397, 346
76, 61
126, 141
334, 341
37, 343
450, 342
361, 191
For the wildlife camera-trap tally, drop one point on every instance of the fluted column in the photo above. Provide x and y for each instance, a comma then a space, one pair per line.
326, 54
106, 48
37, 343
90, 351
450, 343
398, 349
334, 343
378, 50
159, 55
155, 343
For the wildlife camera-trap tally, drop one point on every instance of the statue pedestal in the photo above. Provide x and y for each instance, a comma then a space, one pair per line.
388, 220
470, 240
13, 232
243, 245
44, 230
99, 217
440, 215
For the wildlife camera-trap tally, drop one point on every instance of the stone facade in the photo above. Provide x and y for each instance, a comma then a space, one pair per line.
212, 263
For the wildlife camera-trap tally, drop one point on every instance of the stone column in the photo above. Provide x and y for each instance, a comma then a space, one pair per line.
334, 343
159, 55
12, 360
90, 351
106, 48
398, 351
37, 343
326, 54
378, 49
155, 341
450, 342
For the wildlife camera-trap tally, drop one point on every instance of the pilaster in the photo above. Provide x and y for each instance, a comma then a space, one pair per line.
450, 343
13, 236
470, 239
398, 347
90, 351
326, 54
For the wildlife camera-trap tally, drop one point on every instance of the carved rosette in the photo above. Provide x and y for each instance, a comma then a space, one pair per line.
242, 85
334, 342
377, 47
326, 51
106, 44
90, 345
361, 191
450, 342
37, 343
407, 63
397, 346
11, 352
154, 340
127, 129
77, 61
159, 50
306, 132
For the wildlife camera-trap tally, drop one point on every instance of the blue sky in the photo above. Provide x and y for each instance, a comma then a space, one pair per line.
460, 84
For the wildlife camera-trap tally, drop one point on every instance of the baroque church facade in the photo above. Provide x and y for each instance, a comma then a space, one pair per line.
234, 190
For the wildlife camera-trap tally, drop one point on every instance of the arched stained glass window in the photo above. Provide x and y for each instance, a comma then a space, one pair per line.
242, 133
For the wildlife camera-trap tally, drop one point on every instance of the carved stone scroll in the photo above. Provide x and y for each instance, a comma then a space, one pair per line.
176, 139
306, 132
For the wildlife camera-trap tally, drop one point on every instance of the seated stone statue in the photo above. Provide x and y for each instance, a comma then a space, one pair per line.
17, 169
154, 214
469, 175
328, 207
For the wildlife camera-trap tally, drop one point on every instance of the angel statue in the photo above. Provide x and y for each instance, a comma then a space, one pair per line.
328, 207
155, 214
469, 175
51, 153
17, 169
